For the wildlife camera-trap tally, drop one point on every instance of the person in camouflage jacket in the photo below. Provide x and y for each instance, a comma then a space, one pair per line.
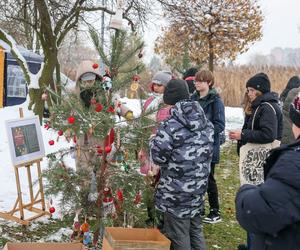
183, 149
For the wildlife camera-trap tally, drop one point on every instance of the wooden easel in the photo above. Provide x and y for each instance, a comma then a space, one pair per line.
38, 198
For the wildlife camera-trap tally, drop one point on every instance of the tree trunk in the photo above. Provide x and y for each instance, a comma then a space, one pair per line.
211, 56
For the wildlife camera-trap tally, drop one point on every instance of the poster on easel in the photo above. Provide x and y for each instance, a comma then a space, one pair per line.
25, 140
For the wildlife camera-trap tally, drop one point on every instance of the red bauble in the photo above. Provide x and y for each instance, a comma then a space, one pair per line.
47, 126
60, 132
51, 142
98, 107
107, 149
74, 139
99, 151
111, 109
52, 210
71, 119
95, 66
120, 195
93, 101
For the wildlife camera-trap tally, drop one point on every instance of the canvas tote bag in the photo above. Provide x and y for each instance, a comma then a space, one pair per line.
252, 158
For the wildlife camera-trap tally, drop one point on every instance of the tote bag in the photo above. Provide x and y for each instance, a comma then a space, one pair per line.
252, 158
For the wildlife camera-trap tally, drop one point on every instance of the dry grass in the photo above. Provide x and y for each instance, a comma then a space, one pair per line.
232, 80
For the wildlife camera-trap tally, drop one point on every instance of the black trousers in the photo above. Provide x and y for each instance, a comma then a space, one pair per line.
212, 189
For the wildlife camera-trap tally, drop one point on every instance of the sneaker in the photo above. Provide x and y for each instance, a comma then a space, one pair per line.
242, 247
213, 217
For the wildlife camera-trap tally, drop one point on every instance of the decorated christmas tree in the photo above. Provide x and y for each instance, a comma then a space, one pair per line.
105, 188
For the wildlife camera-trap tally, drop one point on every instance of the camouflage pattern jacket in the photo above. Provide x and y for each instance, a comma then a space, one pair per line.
183, 148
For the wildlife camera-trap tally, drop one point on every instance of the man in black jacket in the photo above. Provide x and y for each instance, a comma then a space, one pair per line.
271, 211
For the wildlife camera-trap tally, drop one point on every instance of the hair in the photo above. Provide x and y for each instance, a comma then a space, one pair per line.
205, 76
246, 104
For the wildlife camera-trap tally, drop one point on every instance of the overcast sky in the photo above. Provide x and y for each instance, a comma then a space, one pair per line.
280, 29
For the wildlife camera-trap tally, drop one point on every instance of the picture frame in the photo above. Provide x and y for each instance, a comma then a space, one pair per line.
25, 140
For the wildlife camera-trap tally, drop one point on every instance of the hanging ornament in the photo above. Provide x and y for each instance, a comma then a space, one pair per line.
76, 226
140, 55
47, 126
107, 149
60, 132
51, 142
106, 83
75, 139
120, 196
87, 238
95, 66
51, 210
116, 21
138, 198
71, 119
110, 109
99, 150
134, 86
93, 101
98, 107
93, 195
44, 96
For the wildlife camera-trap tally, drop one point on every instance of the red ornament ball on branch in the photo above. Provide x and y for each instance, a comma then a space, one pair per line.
71, 120
99, 151
60, 132
95, 66
111, 109
52, 210
98, 107
107, 149
51, 142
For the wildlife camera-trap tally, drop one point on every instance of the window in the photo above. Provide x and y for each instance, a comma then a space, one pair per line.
16, 85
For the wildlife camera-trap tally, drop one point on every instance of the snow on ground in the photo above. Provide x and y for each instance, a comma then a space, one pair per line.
8, 194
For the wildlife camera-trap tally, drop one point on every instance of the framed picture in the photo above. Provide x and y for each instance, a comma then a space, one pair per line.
25, 140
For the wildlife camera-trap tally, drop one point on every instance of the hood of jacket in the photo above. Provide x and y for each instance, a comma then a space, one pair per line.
267, 97
294, 82
190, 115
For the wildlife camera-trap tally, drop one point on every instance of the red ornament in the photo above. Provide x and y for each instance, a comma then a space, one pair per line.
93, 101
107, 149
136, 78
60, 132
95, 66
106, 192
120, 195
52, 210
47, 126
51, 142
138, 198
98, 107
111, 109
108, 199
99, 151
71, 119
74, 139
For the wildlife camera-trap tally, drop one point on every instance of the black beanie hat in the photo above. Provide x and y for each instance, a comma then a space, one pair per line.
295, 111
259, 82
175, 91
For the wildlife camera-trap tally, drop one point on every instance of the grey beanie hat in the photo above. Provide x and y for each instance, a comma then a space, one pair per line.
162, 77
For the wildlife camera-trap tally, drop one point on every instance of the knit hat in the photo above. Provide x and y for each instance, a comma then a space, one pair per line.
295, 111
259, 82
162, 78
190, 72
176, 90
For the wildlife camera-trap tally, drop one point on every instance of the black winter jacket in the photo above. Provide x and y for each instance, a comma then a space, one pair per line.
272, 210
267, 124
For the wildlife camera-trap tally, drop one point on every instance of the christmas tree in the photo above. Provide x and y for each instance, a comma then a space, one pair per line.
105, 186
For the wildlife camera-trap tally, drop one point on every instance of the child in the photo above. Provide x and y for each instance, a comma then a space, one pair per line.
182, 148
213, 107
160, 111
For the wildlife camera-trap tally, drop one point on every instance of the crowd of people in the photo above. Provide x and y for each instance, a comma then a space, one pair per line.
186, 147
184, 151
